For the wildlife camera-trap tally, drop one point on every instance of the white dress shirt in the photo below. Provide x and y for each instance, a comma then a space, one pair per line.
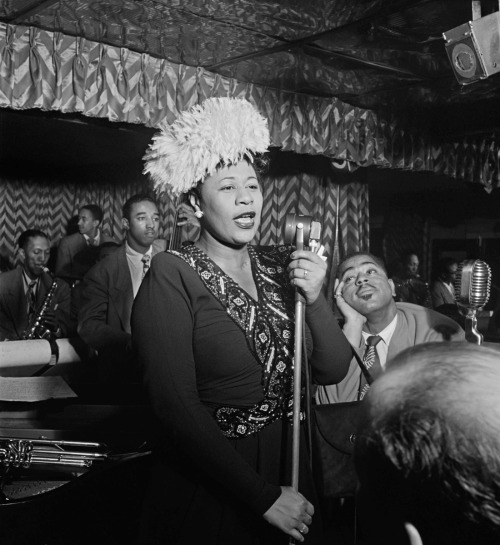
136, 266
382, 346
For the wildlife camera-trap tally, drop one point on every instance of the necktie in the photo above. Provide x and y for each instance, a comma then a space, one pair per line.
32, 298
371, 361
146, 258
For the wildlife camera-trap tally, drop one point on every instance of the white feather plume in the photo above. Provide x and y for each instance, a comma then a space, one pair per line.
220, 130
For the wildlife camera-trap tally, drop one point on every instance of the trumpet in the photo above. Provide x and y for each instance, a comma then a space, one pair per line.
36, 328
25, 453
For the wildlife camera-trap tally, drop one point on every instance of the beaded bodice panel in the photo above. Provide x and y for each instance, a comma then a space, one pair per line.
268, 325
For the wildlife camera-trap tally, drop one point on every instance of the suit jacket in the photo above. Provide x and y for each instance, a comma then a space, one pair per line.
75, 257
441, 294
106, 302
13, 304
415, 325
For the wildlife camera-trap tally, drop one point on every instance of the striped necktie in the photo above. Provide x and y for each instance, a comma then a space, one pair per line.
371, 361
31, 293
146, 258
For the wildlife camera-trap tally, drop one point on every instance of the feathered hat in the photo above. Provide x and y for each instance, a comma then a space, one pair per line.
218, 131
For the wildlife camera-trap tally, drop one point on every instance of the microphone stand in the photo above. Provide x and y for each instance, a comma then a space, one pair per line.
472, 334
297, 372
297, 368
296, 233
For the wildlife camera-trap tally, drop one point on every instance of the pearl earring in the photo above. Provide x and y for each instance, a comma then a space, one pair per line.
199, 214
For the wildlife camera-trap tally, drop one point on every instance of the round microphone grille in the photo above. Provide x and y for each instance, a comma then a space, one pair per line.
472, 284
480, 284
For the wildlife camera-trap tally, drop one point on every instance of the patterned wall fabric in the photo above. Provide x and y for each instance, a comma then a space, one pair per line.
318, 197
53, 71
50, 205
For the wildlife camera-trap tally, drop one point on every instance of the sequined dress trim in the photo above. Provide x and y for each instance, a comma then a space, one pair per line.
268, 325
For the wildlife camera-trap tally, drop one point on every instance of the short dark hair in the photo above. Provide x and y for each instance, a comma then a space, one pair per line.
443, 265
95, 210
378, 260
405, 256
139, 197
25, 237
423, 451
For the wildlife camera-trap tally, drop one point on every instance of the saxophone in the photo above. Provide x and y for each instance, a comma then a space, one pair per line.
36, 328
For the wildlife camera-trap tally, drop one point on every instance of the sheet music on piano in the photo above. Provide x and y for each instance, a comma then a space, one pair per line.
33, 389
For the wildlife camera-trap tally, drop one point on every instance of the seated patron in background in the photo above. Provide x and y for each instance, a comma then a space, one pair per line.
443, 289
24, 289
109, 289
443, 286
428, 449
78, 252
409, 286
365, 297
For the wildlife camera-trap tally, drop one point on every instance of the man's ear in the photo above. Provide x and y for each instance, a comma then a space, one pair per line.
22, 253
393, 287
413, 534
125, 224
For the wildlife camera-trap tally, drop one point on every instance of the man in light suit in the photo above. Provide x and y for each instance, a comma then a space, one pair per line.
365, 296
78, 252
109, 289
23, 290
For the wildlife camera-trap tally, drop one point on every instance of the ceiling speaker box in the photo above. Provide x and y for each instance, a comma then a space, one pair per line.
474, 48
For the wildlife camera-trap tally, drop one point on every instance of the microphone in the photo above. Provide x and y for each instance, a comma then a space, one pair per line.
472, 292
303, 228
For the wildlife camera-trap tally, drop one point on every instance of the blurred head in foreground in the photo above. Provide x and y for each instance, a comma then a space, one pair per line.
428, 448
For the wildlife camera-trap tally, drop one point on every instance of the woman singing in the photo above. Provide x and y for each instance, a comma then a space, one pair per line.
213, 326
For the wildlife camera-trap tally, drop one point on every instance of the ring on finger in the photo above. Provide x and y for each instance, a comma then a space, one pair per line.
305, 273
303, 528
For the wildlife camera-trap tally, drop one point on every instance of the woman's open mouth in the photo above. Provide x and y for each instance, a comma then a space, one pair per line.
245, 221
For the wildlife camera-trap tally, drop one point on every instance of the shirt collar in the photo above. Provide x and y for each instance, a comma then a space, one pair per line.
27, 281
136, 255
97, 237
386, 333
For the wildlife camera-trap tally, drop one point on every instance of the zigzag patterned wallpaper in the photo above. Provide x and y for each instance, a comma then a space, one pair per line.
50, 205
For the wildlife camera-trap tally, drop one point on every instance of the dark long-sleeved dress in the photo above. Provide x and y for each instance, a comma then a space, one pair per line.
218, 369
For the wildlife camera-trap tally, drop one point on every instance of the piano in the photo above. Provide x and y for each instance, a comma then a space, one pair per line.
72, 468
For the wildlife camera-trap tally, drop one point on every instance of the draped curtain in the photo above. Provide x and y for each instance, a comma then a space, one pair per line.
49, 206
324, 201
53, 71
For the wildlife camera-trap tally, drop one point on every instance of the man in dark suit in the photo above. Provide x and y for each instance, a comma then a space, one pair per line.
409, 285
24, 289
109, 288
443, 286
78, 252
